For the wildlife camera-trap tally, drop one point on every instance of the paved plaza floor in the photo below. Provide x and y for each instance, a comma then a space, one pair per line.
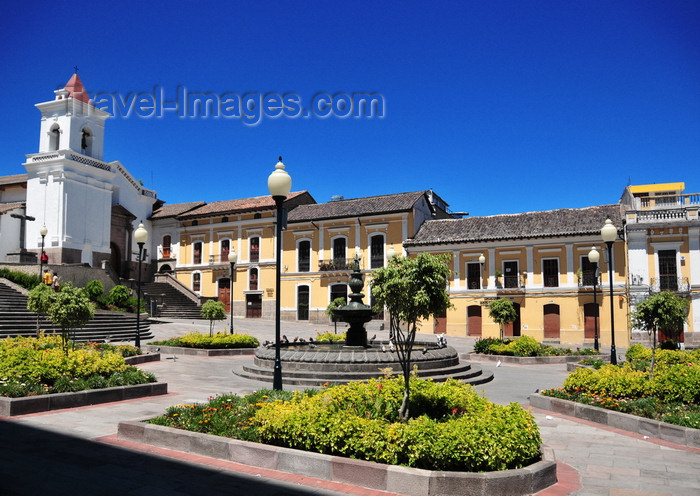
76, 452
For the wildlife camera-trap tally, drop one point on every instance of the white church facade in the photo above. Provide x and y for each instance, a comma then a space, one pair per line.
90, 207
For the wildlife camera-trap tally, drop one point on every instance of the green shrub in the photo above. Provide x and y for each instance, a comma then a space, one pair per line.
482, 344
677, 383
329, 337
457, 430
119, 295
198, 340
27, 281
94, 290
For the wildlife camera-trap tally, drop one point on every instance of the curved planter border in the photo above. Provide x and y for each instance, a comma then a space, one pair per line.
643, 426
176, 350
538, 360
138, 359
34, 404
396, 479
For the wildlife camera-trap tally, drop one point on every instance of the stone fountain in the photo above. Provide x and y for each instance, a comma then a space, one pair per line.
315, 364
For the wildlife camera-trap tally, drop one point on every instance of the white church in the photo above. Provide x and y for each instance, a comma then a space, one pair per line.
87, 208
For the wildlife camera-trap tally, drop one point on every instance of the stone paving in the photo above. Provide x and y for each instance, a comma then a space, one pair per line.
76, 451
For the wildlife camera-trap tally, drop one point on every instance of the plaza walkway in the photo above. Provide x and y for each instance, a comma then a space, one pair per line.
76, 452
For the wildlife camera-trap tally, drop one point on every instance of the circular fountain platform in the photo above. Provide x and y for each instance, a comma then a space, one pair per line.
315, 365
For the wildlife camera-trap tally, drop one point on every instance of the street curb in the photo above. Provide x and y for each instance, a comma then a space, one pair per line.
537, 360
176, 350
10, 407
138, 359
391, 478
685, 436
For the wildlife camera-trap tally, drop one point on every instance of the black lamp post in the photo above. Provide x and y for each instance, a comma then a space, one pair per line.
43, 231
609, 235
141, 236
280, 184
232, 259
594, 257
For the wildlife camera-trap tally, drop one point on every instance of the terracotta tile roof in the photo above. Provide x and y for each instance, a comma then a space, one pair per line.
76, 89
560, 222
237, 206
370, 205
7, 207
175, 209
16, 179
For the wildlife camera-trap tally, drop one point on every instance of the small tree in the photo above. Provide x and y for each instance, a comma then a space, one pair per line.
663, 310
94, 289
213, 310
502, 312
411, 289
70, 308
119, 295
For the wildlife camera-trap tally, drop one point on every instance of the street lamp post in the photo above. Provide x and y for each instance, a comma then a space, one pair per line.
43, 231
140, 236
232, 259
594, 257
280, 184
609, 235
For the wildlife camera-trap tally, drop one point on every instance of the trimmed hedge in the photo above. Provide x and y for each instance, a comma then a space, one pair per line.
198, 340
452, 427
27, 281
524, 346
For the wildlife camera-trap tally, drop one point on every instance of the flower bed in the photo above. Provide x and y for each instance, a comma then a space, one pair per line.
40, 366
525, 346
203, 341
670, 394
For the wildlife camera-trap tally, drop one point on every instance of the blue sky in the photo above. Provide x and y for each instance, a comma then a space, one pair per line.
499, 106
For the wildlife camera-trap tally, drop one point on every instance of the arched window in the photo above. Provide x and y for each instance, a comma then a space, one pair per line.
166, 246
54, 138
339, 250
86, 141
196, 282
304, 256
376, 246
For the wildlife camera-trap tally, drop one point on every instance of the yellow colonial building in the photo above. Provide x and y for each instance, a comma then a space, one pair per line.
538, 260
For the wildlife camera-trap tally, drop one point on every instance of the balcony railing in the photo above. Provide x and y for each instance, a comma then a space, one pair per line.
510, 283
679, 285
336, 264
667, 201
588, 279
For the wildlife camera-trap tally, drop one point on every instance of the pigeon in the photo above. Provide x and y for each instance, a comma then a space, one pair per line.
498, 364
391, 345
384, 348
285, 338
425, 349
311, 345
372, 338
296, 338
311, 340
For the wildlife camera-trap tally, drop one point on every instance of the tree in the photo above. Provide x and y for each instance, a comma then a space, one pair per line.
502, 312
68, 308
411, 289
213, 310
663, 310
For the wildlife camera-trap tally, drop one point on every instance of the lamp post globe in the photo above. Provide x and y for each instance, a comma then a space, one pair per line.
609, 235
232, 259
280, 184
594, 258
43, 231
390, 253
140, 236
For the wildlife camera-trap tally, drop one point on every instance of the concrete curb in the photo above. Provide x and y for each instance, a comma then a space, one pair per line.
138, 359
176, 350
538, 360
685, 436
395, 479
10, 407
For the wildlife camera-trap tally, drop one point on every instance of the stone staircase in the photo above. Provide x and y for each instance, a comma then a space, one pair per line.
172, 303
16, 320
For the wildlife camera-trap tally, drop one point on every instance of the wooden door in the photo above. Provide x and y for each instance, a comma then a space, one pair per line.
512, 329
591, 320
474, 321
253, 306
552, 324
225, 293
440, 326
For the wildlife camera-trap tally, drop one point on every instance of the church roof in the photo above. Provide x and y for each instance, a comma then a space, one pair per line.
550, 223
76, 89
242, 205
14, 180
8, 207
175, 209
369, 205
